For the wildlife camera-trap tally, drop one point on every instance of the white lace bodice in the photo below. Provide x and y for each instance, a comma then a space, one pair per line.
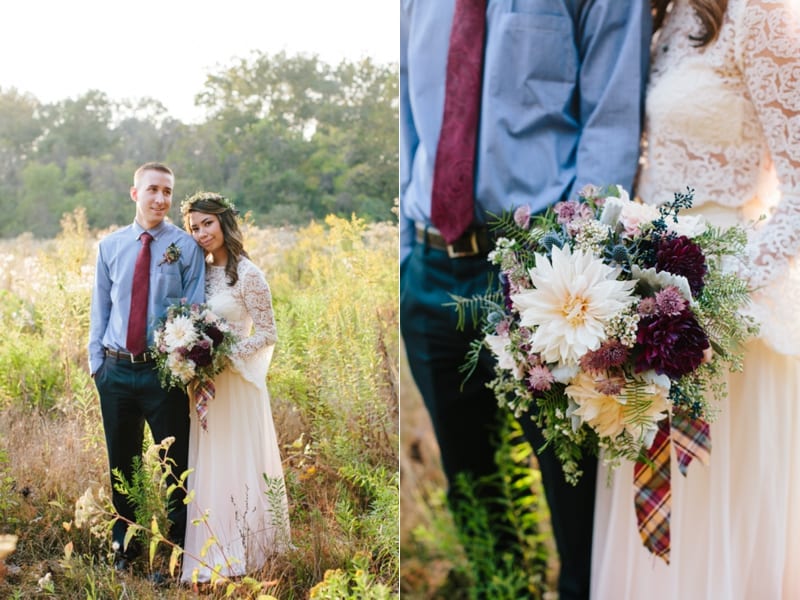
247, 306
725, 120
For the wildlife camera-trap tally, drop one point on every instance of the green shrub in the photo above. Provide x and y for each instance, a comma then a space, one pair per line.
30, 372
357, 583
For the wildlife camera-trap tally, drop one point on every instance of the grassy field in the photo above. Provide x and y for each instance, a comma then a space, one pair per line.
334, 384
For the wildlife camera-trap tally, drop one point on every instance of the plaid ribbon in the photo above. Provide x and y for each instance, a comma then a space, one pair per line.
651, 477
692, 439
202, 392
652, 497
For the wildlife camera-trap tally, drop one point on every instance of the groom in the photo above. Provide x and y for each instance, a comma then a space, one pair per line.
136, 279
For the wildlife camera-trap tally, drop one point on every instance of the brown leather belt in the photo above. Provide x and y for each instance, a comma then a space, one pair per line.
474, 242
139, 358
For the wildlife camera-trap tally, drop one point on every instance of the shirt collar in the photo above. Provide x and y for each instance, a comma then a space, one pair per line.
154, 231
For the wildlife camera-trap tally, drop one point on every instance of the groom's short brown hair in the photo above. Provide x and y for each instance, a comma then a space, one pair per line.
151, 166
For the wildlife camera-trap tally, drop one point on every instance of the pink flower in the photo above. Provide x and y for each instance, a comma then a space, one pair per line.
565, 211
647, 306
589, 191
670, 301
522, 216
570, 211
585, 212
503, 327
635, 216
540, 378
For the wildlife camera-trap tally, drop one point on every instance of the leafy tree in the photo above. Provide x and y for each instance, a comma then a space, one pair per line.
80, 127
19, 129
290, 138
42, 186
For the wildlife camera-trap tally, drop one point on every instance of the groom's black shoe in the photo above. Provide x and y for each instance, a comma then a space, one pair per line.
121, 562
124, 558
157, 578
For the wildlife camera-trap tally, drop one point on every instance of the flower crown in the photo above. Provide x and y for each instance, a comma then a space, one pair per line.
186, 205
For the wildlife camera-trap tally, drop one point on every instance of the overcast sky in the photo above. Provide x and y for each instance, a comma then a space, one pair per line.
164, 48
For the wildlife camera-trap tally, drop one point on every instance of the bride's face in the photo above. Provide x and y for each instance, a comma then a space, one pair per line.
207, 232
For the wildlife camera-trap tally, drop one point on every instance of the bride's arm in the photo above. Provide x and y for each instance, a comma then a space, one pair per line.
257, 299
768, 47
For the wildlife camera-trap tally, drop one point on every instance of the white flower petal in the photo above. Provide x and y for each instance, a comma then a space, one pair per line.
574, 296
660, 279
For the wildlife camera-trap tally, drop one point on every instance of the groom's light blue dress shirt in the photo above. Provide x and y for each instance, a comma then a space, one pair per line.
561, 103
169, 283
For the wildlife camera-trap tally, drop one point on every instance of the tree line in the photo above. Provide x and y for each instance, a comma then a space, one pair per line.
289, 138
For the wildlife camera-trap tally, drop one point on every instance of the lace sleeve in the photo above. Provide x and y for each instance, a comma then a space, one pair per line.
769, 53
257, 299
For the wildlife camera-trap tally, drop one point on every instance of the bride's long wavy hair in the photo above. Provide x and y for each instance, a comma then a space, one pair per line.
211, 203
710, 13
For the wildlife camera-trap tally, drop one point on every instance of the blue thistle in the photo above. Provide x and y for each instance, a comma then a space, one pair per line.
551, 239
619, 254
495, 317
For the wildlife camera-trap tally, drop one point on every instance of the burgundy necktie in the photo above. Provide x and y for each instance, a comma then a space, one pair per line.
452, 198
137, 320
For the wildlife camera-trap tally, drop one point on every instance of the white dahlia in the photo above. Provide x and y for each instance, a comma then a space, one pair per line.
179, 333
182, 368
573, 298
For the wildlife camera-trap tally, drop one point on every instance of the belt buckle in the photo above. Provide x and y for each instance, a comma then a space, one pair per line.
473, 242
143, 360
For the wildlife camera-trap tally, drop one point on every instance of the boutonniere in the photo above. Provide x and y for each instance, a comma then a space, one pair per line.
172, 254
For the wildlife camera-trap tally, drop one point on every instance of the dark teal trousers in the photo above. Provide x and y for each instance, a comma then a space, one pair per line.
130, 395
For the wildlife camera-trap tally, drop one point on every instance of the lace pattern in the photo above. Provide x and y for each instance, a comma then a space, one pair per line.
725, 120
247, 305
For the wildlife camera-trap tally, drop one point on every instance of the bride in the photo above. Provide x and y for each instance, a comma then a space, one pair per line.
723, 117
237, 478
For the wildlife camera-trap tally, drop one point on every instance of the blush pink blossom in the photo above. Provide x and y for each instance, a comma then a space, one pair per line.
670, 301
647, 306
522, 216
540, 378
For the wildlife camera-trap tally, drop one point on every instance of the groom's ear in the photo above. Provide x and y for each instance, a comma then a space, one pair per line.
134, 193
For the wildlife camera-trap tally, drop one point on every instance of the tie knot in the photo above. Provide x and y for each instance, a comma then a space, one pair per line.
145, 238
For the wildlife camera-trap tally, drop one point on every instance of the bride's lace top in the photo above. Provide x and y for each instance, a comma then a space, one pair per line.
724, 119
247, 306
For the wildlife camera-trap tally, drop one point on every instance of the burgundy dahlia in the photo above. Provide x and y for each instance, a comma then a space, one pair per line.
671, 345
201, 354
215, 334
681, 256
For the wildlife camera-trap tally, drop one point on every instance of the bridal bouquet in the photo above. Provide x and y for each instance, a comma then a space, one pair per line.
614, 324
191, 345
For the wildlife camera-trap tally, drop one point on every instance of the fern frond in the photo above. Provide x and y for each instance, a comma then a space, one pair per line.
476, 307
471, 360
